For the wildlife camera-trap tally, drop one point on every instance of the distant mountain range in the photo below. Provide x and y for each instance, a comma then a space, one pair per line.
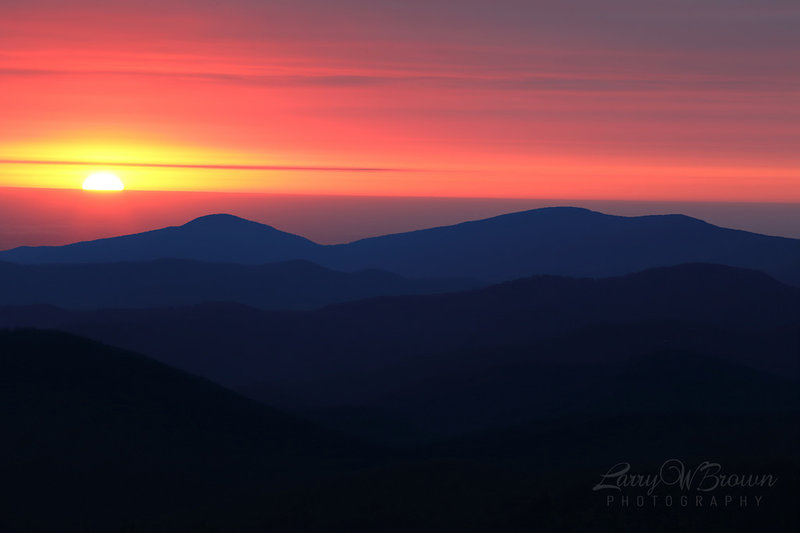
560, 241
172, 282
744, 316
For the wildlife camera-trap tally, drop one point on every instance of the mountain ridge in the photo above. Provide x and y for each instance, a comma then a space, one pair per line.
172, 242
235, 344
566, 241
296, 284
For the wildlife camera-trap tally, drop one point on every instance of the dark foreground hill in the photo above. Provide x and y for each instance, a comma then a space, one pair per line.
97, 439
96, 435
559, 241
172, 282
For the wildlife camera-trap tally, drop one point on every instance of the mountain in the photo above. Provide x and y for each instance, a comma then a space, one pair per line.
171, 282
237, 345
103, 438
559, 241
212, 238
567, 241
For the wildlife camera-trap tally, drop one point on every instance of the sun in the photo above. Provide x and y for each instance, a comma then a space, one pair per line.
103, 181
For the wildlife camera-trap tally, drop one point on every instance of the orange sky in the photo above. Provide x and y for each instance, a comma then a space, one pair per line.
671, 100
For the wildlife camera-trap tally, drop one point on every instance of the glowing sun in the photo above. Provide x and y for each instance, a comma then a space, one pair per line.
103, 181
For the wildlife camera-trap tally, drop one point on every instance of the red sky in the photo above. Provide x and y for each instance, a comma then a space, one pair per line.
621, 99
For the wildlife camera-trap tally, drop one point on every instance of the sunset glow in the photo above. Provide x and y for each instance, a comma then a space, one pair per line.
406, 99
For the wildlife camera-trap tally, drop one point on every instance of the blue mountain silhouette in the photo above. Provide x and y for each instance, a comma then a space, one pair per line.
560, 241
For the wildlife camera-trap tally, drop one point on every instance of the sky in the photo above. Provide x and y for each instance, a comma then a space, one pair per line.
674, 100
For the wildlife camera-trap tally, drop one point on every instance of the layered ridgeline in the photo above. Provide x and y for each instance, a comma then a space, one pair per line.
295, 284
561, 241
503, 404
236, 344
464, 361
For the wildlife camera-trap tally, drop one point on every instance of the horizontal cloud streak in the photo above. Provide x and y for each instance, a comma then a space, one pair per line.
519, 83
203, 166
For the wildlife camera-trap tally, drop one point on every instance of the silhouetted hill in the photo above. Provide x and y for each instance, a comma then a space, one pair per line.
237, 345
98, 439
570, 242
559, 241
95, 435
212, 238
170, 282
